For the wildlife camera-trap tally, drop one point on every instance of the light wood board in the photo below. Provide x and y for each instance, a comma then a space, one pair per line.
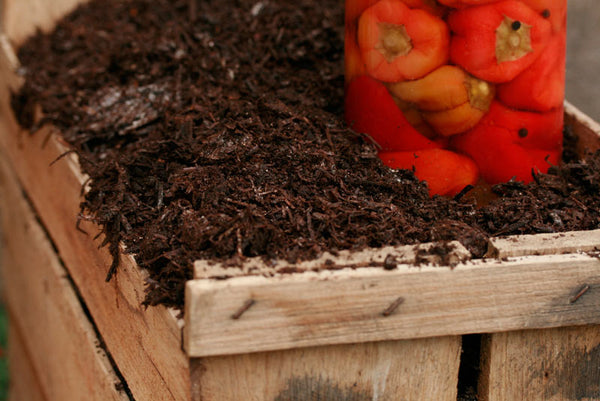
44, 310
412, 370
24, 384
21, 18
347, 306
545, 244
145, 343
560, 364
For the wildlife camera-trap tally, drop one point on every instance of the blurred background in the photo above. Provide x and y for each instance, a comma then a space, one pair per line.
583, 56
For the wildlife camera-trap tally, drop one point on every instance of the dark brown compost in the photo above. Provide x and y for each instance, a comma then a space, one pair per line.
213, 129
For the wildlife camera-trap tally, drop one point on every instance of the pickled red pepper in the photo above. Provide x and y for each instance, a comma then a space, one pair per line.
459, 91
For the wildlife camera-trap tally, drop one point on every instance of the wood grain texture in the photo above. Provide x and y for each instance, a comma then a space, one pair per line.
145, 343
60, 341
347, 306
545, 244
21, 18
560, 364
586, 129
24, 384
412, 370
547, 365
370, 257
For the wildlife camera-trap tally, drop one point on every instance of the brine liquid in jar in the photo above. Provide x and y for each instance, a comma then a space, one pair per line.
460, 91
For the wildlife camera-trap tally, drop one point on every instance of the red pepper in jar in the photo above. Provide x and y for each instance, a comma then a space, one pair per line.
450, 100
370, 109
554, 11
541, 87
399, 43
353, 63
497, 41
508, 143
354, 8
431, 6
464, 3
445, 172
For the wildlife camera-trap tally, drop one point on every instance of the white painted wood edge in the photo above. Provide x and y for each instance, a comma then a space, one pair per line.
581, 117
370, 257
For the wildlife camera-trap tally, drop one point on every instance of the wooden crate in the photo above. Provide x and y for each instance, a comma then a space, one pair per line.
356, 333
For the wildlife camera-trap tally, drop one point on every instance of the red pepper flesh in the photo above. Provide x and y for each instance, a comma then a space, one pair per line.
541, 87
554, 11
497, 41
445, 172
399, 43
370, 109
508, 143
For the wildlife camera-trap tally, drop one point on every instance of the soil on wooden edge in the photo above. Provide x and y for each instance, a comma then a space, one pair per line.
213, 130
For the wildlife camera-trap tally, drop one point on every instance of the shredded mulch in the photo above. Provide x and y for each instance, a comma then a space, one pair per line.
213, 130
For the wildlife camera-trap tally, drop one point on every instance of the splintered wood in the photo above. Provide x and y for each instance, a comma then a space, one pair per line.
386, 257
545, 244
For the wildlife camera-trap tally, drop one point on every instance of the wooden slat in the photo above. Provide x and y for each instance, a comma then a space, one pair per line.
24, 384
412, 370
558, 364
546, 365
44, 309
21, 18
347, 306
385, 256
145, 343
586, 129
545, 244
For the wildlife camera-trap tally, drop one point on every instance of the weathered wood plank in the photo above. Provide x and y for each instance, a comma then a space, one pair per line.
547, 365
545, 244
558, 364
347, 306
411, 370
388, 256
44, 309
24, 384
145, 343
21, 18
586, 129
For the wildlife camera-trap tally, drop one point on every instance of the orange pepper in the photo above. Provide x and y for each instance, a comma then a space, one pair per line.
370, 109
541, 87
497, 41
445, 172
399, 43
508, 143
451, 101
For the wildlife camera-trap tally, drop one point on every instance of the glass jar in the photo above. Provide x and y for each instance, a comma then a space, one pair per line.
460, 91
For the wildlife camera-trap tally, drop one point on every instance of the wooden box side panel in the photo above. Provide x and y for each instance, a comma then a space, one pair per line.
21, 18
45, 314
560, 364
555, 365
412, 370
24, 383
145, 343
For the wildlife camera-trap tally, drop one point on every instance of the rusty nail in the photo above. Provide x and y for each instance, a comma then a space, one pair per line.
583, 290
393, 306
247, 305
